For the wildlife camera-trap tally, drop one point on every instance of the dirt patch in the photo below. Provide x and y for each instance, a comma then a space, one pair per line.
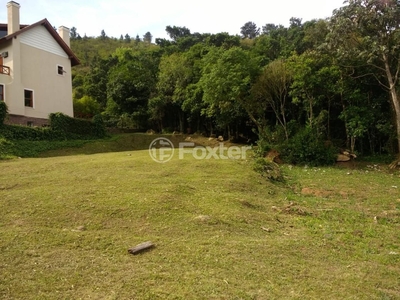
273, 155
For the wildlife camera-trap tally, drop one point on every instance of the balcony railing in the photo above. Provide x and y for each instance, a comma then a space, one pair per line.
4, 70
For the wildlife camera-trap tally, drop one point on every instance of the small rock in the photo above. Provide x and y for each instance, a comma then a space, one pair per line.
79, 228
202, 218
267, 229
150, 131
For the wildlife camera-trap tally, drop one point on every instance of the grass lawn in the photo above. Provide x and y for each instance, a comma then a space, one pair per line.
221, 231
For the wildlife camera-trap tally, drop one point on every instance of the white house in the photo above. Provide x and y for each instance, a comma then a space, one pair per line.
35, 69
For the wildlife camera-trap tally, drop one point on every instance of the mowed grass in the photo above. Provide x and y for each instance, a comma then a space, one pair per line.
221, 231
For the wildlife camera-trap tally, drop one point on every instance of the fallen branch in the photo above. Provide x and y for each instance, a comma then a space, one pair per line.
141, 248
395, 164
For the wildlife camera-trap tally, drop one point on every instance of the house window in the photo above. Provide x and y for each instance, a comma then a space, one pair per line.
1, 92
28, 94
60, 70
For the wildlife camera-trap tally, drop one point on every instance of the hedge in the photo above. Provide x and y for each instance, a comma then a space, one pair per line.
3, 112
62, 127
73, 128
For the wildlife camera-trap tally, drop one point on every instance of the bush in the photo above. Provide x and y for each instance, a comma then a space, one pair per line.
5, 148
99, 126
77, 128
19, 132
262, 147
307, 147
3, 112
268, 169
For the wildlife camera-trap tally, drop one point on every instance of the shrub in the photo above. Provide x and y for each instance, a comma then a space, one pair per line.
268, 169
262, 147
5, 146
99, 126
307, 147
19, 132
86, 107
77, 128
3, 112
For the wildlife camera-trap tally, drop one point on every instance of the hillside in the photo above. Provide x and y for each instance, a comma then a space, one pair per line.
221, 231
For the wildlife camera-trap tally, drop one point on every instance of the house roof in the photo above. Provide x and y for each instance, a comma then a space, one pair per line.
50, 29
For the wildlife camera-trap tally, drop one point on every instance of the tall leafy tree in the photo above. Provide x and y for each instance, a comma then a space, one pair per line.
73, 33
249, 30
176, 32
95, 81
226, 79
174, 76
147, 37
271, 90
131, 82
223, 39
103, 35
315, 83
370, 31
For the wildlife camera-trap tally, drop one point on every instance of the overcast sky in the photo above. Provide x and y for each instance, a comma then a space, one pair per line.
134, 17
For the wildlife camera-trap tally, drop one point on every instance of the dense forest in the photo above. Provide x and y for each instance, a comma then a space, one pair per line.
331, 82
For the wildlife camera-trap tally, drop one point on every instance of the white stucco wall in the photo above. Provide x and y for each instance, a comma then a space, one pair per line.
33, 58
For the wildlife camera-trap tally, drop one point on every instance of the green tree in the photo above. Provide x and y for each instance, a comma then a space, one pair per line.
86, 107
103, 35
315, 83
131, 81
271, 90
370, 31
249, 30
226, 79
271, 42
175, 74
95, 81
223, 39
176, 32
147, 37
72, 33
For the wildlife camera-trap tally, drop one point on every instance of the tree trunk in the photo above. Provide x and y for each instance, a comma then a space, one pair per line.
396, 105
394, 97
181, 116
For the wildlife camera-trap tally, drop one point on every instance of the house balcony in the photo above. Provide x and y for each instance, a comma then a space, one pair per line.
4, 70
5, 74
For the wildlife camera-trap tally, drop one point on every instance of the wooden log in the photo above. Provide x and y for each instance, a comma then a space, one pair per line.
141, 248
342, 158
395, 164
